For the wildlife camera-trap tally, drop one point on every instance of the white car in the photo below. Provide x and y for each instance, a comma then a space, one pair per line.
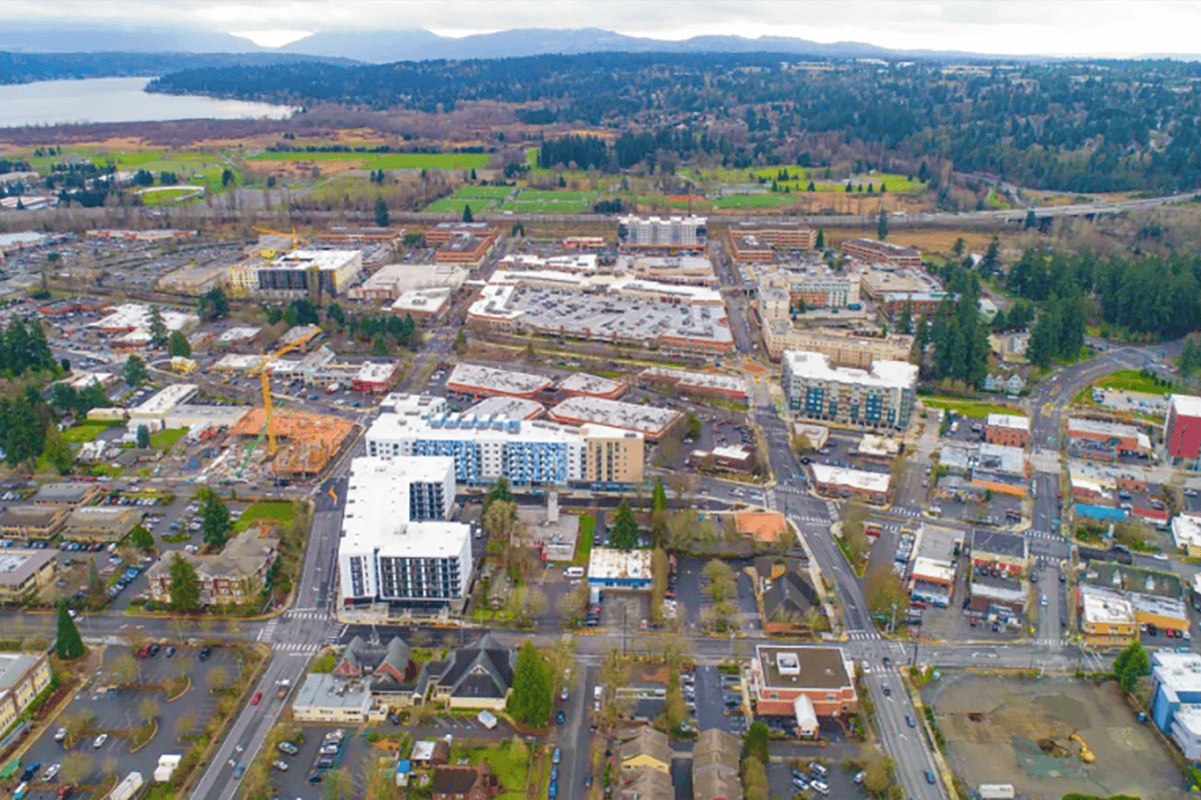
99, 741
51, 772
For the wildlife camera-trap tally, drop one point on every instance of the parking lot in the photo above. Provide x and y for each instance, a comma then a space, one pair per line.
120, 712
304, 778
715, 695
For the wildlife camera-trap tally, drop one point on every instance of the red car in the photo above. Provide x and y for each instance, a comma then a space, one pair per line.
258, 696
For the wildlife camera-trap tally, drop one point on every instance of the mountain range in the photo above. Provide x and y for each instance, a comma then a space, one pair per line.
416, 44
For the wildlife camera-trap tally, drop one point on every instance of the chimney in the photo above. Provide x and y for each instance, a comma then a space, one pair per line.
552, 507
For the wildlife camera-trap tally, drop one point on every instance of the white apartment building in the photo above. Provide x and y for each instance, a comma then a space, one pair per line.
396, 545
672, 233
880, 396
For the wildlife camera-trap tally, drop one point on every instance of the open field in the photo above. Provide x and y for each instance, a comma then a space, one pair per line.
978, 409
280, 512
454, 205
478, 192
168, 194
1001, 730
166, 439
1132, 381
752, 201
86, 431
431, 161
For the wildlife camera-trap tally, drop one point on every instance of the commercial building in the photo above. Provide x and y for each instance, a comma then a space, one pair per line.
298, 273
1010, 430
1106, 618
423, 305
23, 676
813, 285
1006, 551
675, 234
153, 411
395, 545
391, 281
101, 523
464, 250
444, 232
755, 243
609, 568
233, 577
683, 270
733, 458
782, 675
647, 421
374, 378
502, 406
1001, 469
695, 384
1105, 441
68, 493
30, 521
474, 380
673, 318
239, 336
846, 482
1186, 533
23, 572
845, 347
328, 699
875, 252
879, 397
996, 600
194, 280
1182, 431
523, 452
585, 385
1176, 699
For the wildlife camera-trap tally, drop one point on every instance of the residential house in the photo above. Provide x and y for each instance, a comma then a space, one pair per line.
646, 783
647, 749
477, 676
430, 753
394, 677
464, 782
715, 760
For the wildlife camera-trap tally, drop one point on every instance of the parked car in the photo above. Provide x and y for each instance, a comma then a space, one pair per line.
555, 756
280, 764
205, 652
52, 772
238, 770
560, 718
258, 698
99, 741
287, 748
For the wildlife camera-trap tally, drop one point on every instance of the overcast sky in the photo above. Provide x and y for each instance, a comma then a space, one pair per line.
1047, 27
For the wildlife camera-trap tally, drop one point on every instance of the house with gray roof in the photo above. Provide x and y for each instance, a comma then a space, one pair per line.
476, 676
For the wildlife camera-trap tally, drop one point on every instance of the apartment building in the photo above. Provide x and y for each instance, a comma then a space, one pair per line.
755, 243
298, 273
23, 676
675, 233
876, 252
395, 544
1182, 431
1010, 430
234, 576
845, 347
881, 396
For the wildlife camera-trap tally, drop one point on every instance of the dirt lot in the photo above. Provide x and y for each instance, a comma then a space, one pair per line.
1002, 730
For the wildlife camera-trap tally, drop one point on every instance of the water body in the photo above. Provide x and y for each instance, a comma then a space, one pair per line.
116, 100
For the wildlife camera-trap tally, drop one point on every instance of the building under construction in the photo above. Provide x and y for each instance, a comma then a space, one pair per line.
307, 442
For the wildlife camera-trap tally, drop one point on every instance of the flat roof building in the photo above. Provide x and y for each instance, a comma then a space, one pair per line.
498, 406
780, 674
23, 572
879, 397
374, 378
609, 568
710, 384
1176, 699
479, 381
396, 545
648, 421
393, 280
1009, 551
874, 252
153, 411
23, 676
325, 698
1182, 430
1093, 438
1106, 618
1011, 430
662, 233
845, 347
298, 273
581, 383
845, 482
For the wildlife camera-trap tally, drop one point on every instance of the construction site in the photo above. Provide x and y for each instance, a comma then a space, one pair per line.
1049, 737
306, 442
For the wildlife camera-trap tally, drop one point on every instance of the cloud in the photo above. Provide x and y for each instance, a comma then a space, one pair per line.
1054, 27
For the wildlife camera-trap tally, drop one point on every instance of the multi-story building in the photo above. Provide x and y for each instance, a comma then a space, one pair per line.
1104, 440
1182, 431
233, 577
23, 572
662, 233
23, 676
845, 347
815, 285
1010, 430
298, 273
822, 677
525, 452
879, 397
1007, 551
1106, 618
396, 546
754, 243
444, 232
875, 252
644, 420
1176, 698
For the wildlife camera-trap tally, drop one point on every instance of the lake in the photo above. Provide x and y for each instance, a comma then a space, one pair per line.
116, 100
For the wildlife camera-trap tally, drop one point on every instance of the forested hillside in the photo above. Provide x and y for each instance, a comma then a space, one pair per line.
1093, 126
30, 67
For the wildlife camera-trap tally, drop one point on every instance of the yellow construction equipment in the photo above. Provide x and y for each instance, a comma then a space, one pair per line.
1086, 755
268, 405
270, 253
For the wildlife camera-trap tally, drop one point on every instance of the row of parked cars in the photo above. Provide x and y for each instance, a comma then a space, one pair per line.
814, 779
327, 755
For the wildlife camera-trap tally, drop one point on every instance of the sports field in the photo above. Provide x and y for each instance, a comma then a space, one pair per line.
454, 205
752, 201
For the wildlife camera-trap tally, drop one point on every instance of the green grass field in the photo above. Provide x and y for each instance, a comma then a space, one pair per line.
454, 205
164, 196
509, 773
1133, 381
557, 195
547, 206
166, 439
431, 161
583, 547
128, 160
495, 192
752, 201
279, 511
86, 431
978, 409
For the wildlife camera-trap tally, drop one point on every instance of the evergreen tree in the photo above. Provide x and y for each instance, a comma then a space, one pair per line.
999, 323
177, 345
158, 329
905, 319
499, 491
140, 538
184, 585
1131, 665
467, 216
1190, 358
213, 305
756, 742
143, 437
381, 213
531, 698
958, 247
135, 373
1031, 220
68, 644
214, 518
659, 496
923, 173
820, 242
335, 314
992, 258
624, 535
882, 226
57, 451
379, 347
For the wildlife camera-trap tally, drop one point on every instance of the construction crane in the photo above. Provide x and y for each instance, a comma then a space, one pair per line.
268, 404
270, 253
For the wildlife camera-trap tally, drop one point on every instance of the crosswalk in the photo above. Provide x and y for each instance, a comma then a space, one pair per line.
905, 511
307, 613
268, 630
813, 520
1044, 535
863, 636
297, 648
1048, 642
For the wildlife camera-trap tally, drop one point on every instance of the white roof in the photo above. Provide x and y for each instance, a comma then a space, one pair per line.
239, 334
1186, 405
875, 445
136, 317
614, 413
166, 399
1001, 458
1186, 530
1087, 484
376, 373
429, 301
876, 482
376, 515
933, 569
1105, 607
883, 374
607, 562
701, 380
442, 426
497, 380
507, 407
1009, 421
321, 259
1178, 672
589, 384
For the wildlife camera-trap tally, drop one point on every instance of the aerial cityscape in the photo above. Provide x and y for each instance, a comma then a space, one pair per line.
473, 409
